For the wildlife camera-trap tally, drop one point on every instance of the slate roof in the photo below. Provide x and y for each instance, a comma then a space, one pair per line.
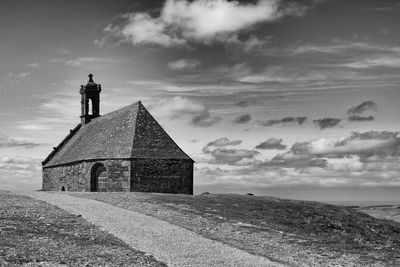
130, 132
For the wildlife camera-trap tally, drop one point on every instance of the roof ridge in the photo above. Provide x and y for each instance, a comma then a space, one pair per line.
63, 142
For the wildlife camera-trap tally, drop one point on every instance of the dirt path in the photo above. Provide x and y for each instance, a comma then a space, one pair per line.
166, 242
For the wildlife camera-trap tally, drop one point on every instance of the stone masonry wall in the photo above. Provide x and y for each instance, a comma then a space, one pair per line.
77, 177
162, 176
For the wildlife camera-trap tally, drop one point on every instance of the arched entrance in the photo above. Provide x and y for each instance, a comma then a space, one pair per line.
98, 179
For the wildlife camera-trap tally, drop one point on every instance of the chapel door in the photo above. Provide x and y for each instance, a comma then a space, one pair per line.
98, 181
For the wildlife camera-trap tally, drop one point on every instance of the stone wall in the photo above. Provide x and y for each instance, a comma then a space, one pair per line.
162, 176
77, 177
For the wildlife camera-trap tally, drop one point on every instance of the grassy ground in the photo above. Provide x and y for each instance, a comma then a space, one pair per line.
34, 233
298, 233
388, 212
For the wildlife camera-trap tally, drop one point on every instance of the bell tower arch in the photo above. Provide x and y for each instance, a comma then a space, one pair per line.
90, 100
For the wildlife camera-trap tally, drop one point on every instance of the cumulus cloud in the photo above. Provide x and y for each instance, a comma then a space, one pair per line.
360, 118
6, 142
327, 122
247, 102
364, 106
205, 119
232, 156
361, 159
177, 107
298, 120
205, 21
366, 143
272, 143
242, 119
291, 160
360, 152
182, 64
221, 142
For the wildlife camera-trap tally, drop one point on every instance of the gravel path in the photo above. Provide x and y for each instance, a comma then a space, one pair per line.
166, 242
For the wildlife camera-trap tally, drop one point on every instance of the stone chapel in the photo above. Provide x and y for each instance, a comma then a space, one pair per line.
124, 150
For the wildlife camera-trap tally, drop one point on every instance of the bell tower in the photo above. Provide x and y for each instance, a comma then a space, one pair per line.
90, 101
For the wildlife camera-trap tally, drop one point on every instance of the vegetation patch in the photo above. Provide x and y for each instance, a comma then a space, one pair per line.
294, 232
34, 233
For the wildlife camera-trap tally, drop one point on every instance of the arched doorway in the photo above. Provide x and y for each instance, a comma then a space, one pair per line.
98, 179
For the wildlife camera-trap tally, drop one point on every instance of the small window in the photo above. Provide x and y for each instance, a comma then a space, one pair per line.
63, 188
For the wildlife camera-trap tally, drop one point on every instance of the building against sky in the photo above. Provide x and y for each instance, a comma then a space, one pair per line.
295, 99
124, 150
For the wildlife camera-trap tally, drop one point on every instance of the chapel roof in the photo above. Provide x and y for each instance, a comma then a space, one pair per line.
127, 133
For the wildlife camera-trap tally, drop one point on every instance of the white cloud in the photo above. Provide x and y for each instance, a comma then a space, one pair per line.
86, 60
205, 21
184, 63
18, 76
233, 156
7, 142
368, 142
221, 142
177, 107
32, 65
385, 61
281, 74
19, 172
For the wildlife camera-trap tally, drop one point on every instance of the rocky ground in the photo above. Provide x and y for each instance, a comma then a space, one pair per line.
297, 233
34, 233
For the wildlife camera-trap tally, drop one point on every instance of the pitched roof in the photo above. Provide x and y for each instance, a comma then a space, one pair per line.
130, 132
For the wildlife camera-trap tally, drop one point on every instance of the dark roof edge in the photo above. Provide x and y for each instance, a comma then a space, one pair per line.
140, 104
63, 142
99, 159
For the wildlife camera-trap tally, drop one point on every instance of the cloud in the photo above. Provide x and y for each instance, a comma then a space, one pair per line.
205, 119
327, 122
248, 102
364, 106
15, 78
298, 120
359, 160
19, 172
360, 152
242, 119
342, 47
232, 156
221, 142
360, 118
291, 160
272, 143
281, 74
6, 142
178, 107
32, 65
358, 143
79, 61
205, 21
183, 64
378, 62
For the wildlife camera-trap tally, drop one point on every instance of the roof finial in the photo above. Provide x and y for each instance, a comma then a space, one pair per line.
91, 78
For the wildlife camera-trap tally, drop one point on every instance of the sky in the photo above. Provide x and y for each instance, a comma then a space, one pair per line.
287, 98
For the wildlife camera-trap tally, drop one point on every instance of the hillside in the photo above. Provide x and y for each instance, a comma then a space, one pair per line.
34, 233
298, 233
